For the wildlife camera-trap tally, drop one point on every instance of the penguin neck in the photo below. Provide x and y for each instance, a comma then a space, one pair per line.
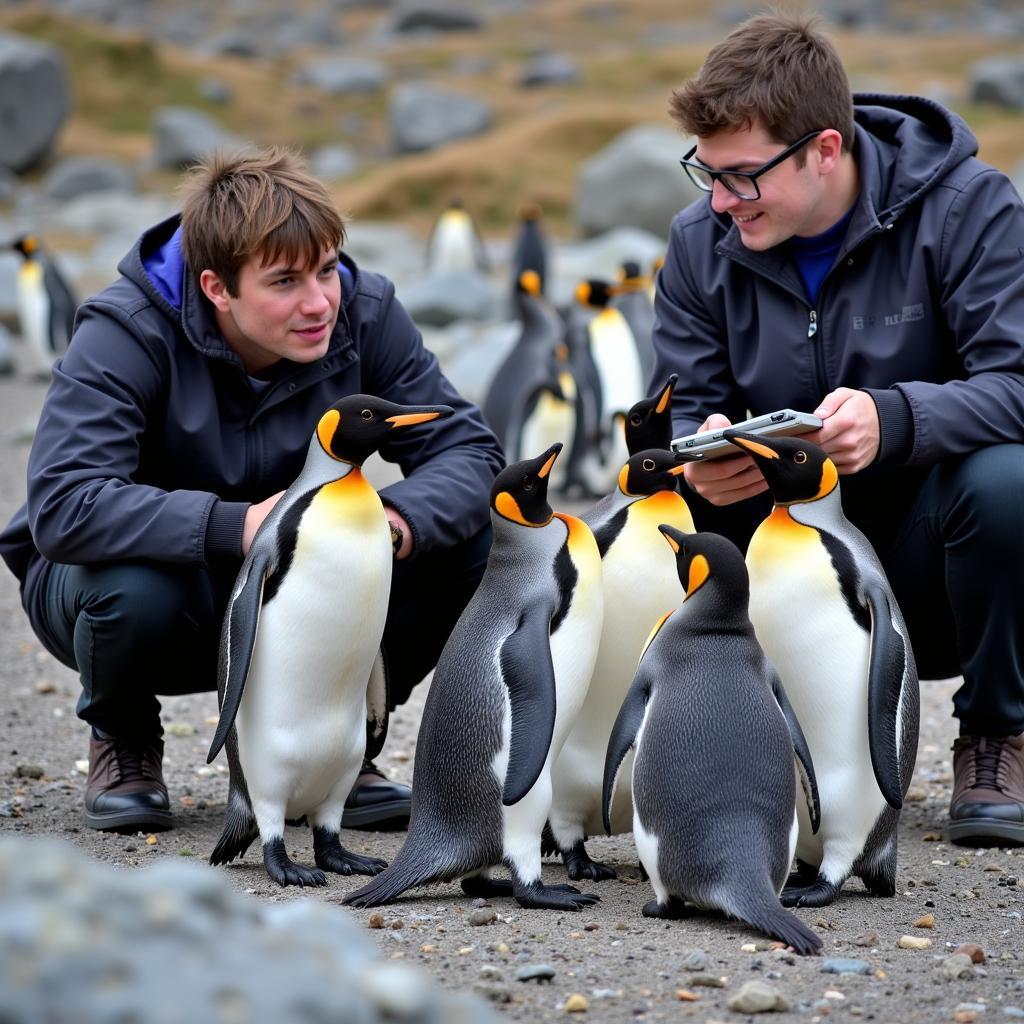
819, 512
321, 468
717, 608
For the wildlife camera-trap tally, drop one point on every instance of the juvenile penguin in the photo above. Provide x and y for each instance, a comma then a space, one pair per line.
827, 619
455, 243
640, 586
715, 737
46, 305
505, 693
301, 684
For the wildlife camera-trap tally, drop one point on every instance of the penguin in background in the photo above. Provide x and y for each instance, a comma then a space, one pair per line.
584, 471
640, 585
301, 683
827, 618
631, 299
46, 305
454, 243
506, 691
549, 416
714, 785
652, 281
530, 249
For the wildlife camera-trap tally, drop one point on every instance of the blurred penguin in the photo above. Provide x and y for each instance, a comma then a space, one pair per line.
455, 243
530, 251
46, 305
632, 301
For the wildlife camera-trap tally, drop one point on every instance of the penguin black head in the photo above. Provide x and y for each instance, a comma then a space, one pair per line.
630, 277
649, 422
796, 470
650, 471
354, 428
27, 245
530, 212
594, 293
701, 557
520, 491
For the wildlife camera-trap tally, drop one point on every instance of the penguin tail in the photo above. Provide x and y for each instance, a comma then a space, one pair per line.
548, 844
239, 830
417, 863
779, 923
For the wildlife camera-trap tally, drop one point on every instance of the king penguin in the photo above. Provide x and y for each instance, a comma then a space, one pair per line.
302, 687
714, 792
632, 301
640, 585
46, 305
505, 694
530, 249
828, 621
454, 243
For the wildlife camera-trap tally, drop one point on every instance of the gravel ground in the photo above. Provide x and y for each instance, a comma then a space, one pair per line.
607, 962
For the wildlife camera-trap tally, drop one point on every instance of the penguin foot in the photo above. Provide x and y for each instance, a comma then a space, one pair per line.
803, 876
820, 894
580, 866
482, 886
330, 855
283, 871
674, 910
553, 897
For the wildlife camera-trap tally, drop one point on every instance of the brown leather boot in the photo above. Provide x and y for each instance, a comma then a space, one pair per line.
988, 790
125, 791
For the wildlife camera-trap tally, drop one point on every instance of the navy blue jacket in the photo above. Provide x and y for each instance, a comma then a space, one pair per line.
153, 443
923, 306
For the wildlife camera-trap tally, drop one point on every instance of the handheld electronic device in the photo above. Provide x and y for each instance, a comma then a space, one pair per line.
712, 444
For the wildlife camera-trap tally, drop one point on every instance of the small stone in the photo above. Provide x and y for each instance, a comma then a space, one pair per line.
592, 927
758, 997
502, 947
495, 993
29, 771
482, 915
841, 965
958, 966
1013, 1011
151, 840
427, 948
748, 947
180, 729
913, 942
535, 972
684, 995
834, 994
82, 767
915, 795
375, 920
973, 950
576, 1003
932, 837
396, 924
490, 973
927, 921
965, 1016
869, 938
695, 960
707, 981
44, 686
466, 950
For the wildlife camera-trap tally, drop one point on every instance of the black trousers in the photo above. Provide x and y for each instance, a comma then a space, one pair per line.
956, 566
136, 630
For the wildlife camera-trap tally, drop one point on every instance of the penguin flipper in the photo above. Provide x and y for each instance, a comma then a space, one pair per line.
624, 732
805, 765
886, 668
529, 674
241, 623
377, 706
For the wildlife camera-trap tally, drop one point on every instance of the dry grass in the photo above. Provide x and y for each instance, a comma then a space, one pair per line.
630, 56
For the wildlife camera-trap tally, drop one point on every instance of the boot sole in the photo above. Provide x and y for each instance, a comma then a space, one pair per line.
387, 816
129, 821
986, 832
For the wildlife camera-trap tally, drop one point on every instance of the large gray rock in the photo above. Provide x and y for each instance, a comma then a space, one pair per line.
342, 76
183, 135
634, 181
76, 176
329, 163
549, 69
424, 117
442, 298
80, 941
998, 80
435, 15
34, 100
385, 247
111, 213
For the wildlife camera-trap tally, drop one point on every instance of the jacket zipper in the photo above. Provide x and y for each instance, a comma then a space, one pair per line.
812, 324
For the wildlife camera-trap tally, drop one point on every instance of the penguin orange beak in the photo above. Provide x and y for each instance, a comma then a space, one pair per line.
666, 395
410, 419
748, 444
676, 470
546, 468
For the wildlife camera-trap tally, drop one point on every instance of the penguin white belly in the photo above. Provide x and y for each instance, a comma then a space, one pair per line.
34, 315
614, 352
821, 655
552, 420
302, 721
453, 245
573, 652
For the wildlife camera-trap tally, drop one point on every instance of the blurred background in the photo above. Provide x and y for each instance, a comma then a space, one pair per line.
403, 105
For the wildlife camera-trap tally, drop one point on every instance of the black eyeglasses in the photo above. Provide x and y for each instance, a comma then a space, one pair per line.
742, 184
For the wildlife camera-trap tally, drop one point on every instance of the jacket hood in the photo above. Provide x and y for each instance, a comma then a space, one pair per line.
904, 146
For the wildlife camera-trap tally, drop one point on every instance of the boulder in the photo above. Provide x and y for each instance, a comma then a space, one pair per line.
342, 76
549, 69
436, 16
76, 176
34, 100
635, 181
424, 117
184, 135
329, 163
441, 298
998, 80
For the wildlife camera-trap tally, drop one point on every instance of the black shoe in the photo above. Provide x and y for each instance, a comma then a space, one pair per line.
125, 791
376, 803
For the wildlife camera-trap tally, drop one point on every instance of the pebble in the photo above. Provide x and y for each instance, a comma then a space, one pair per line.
29, 771
483, 915
840, 965
180, 729
45, 686
495, 993
696, 960
490, 973
1013, 1011
375, 920
684, 995
913, 942
576, 1003
928, 921
867, 939
707, 981
957, 966
758, 997
535, 972
973, 950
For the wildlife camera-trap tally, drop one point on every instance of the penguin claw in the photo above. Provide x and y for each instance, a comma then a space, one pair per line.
284, 871
330, 855
820, 894
554, 897
580, 866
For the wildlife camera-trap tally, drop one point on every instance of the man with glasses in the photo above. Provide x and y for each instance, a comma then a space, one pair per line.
855, 260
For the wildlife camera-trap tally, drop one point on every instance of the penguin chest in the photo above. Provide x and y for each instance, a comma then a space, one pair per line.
617, 361
552, 419
33, 306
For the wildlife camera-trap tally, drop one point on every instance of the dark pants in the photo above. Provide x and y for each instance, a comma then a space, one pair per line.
956, 566
133, 630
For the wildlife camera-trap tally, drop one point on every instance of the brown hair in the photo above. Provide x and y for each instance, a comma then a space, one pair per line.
776, 69
263, 201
